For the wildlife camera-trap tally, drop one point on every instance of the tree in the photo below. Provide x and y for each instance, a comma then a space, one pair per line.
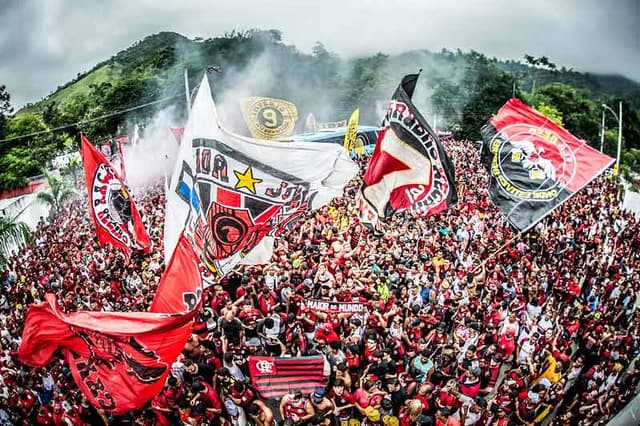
5, 108
57, 193
536, 64
550, 112
72, 167
13, 235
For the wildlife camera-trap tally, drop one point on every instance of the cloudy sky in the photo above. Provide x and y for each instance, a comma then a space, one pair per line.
45, 43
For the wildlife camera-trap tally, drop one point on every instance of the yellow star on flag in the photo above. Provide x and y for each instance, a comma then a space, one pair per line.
246, 180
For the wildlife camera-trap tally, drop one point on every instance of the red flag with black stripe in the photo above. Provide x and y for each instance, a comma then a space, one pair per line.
275, 377
119, 360
534, 165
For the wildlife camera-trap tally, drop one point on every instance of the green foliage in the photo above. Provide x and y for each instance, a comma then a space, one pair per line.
22, 158
551, 113
5, 108
57, 193
13, 235
463, 88
366, 75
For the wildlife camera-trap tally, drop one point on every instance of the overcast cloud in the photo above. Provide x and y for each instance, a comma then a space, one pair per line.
45, 43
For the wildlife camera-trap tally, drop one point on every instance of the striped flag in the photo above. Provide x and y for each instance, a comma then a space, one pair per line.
275, 377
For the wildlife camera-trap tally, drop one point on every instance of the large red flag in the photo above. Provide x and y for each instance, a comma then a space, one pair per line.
119, 360
112, 210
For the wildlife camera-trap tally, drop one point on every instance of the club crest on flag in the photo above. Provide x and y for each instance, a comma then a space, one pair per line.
269, 118
238, 202
112, 204
531, 162
534, 165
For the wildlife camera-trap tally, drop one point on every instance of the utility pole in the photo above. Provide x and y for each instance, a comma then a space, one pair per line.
602, 132
618, 117
619, 137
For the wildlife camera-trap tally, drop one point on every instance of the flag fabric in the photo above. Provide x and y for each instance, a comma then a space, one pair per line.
177, 133
111, 207
105, 148
229, 192
122, 139
351, 134
534, 164
123, 171
275, 377
409, 168
119, 360
269, 118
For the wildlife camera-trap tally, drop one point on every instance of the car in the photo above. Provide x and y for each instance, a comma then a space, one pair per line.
365, 140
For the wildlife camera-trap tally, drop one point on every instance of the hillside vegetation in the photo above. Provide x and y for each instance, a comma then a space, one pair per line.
462, 88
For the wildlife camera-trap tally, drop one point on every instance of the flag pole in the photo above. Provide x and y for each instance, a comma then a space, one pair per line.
500, 249
186, 89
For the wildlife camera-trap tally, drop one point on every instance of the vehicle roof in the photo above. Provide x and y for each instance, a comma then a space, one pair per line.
329, 133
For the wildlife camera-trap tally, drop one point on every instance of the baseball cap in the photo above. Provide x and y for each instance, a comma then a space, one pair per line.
318, 395
254, 341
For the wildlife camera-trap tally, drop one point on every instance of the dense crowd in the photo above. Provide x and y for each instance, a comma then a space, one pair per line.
466, 321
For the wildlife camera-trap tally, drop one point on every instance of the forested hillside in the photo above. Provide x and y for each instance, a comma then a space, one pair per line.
461, 89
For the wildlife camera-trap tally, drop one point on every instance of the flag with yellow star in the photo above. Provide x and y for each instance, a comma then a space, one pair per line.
233, 194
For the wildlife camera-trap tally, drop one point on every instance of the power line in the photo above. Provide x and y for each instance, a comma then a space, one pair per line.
91, 120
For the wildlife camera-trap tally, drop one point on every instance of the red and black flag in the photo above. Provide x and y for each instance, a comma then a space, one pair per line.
120, 360
275, 377
534, 164
112, 210
409, 169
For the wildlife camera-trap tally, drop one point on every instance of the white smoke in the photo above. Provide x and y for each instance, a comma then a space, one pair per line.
150, 156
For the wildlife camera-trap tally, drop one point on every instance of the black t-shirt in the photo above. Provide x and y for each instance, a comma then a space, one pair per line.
231, 328
205, 371
398, 399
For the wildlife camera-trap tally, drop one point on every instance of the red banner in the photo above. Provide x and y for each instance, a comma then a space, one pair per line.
176, 291
275, 377
122, 139
119, 360
112, 210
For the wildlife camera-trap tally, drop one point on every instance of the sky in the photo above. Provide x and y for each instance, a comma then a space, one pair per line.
46, 43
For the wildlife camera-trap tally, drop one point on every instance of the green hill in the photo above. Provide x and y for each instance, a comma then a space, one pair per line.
463, 88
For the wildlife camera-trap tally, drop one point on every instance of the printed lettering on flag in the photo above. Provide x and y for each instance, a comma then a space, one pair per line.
334, 307
409, 168
111, 207
230, 192
534, 164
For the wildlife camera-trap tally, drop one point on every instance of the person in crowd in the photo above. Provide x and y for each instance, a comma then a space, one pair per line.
459, 319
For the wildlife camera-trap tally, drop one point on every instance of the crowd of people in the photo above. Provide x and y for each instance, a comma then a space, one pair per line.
466, 322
